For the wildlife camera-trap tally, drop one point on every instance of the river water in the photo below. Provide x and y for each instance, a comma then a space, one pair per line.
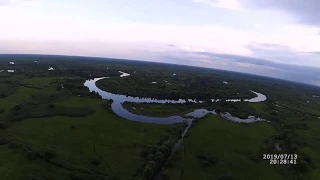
118, 109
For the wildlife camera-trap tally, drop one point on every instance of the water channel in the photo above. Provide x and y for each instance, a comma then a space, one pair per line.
118, 109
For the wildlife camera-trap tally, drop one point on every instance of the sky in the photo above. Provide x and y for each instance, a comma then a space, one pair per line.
276, 38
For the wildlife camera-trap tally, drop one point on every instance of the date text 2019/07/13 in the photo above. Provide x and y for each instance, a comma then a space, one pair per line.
281, 158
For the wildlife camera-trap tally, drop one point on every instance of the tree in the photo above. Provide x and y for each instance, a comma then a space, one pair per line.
152, 150
205, 163
164, 176
32, 155
3, 125
49, 154
35, 177
58, 87
95, 162
147, 172
4, 141
151, 157
152, 164
164, 149
17, 107
226, 177
301, 166
51, 105
144, 153
13, 144
218, 111
159, 157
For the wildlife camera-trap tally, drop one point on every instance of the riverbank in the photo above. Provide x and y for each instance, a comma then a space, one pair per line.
214, 147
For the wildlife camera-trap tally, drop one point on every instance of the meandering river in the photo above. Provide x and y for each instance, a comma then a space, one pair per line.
124, 113
189, 117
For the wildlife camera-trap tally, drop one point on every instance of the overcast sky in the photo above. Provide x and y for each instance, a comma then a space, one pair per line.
278, 38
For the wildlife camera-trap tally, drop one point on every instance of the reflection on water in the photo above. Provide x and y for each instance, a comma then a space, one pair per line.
198, 113
189, 117
260, 97
124, 74
250, 119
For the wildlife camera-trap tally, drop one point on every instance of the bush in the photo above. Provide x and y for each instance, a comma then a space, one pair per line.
77, 175
49, 154
138, 172
95, 162
206, 160
4, 141
301, 166
13, 144
32, 155
152, 150
218, 111
152, 164
163, 149
306, 158
147, 172
164, 176
144, 153
35, 177
205, 164
137, 178
226, 177
51, 105
159, 157
3, 125
255, 158
58, 87
151, 157
17, 107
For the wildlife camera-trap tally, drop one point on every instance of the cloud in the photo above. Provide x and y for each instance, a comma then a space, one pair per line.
163, 53
312, 53
205, 38
311, 70
4, 2
201, 38
264, 67
270, 46
223, 4
317, 83
138, 51
305, 11
273, 52
283, 54
16, 3
242, 64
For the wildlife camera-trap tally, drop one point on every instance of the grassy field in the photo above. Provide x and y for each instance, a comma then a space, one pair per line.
50, 131
241, 110
160, 110
14, 164
230, 145
75, 142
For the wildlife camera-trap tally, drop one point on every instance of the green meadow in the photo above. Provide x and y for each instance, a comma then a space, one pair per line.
97, 141
52, 127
